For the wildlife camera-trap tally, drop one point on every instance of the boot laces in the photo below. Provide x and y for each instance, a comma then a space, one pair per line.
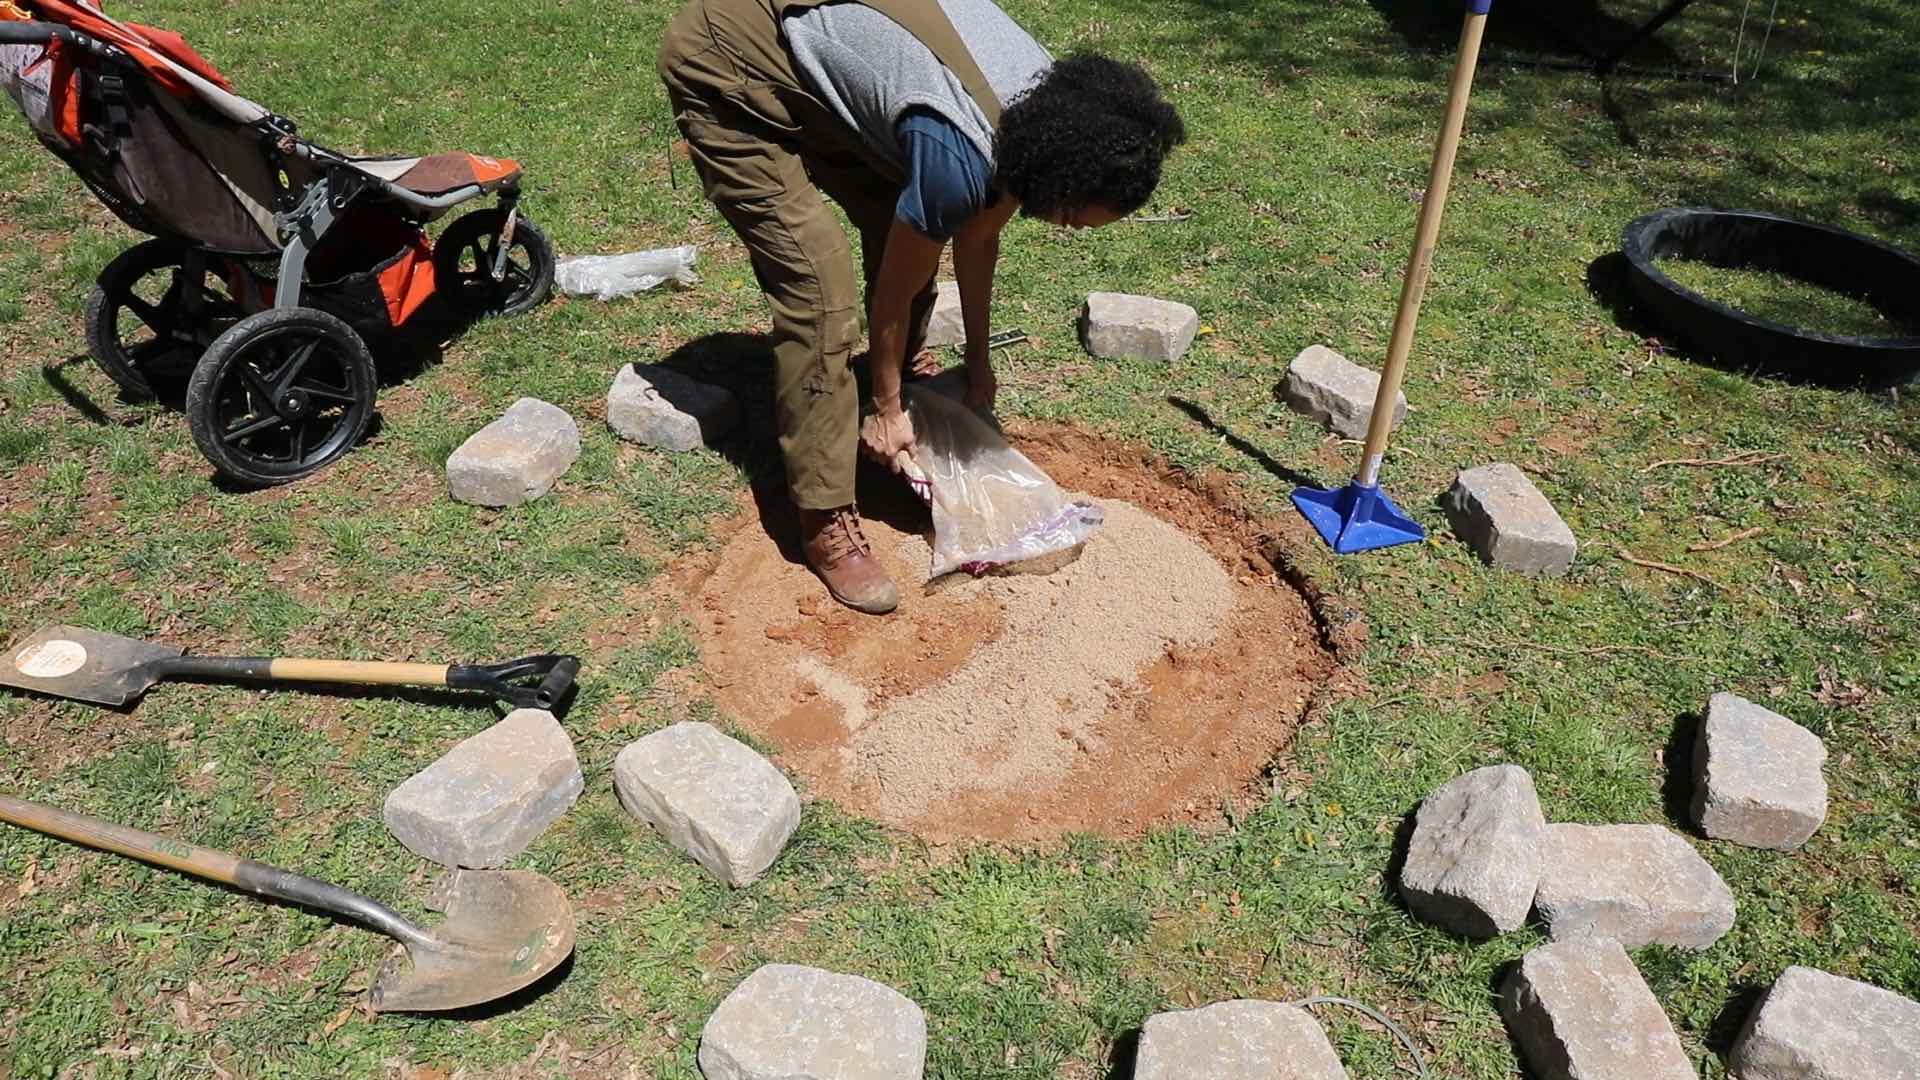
844, 537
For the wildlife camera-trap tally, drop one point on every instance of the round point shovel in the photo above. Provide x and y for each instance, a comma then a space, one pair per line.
107, 669
503, 930
1360, 516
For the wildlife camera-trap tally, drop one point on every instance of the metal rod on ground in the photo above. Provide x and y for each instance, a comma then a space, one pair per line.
1360, 517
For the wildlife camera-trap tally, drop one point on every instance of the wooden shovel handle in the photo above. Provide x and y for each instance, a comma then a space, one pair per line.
358, 671
121, 840
1420, 262
297, 670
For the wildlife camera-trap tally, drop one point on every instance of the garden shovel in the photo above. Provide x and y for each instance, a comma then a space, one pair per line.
106, 669
503, 930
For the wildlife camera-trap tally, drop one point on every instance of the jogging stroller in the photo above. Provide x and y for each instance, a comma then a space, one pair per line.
271, 255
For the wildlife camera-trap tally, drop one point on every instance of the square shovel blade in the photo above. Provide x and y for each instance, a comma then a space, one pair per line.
85, 665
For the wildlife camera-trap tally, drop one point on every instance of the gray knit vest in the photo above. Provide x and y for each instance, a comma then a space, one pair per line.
869, 69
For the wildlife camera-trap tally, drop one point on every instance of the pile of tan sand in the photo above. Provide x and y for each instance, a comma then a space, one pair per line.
1139, 683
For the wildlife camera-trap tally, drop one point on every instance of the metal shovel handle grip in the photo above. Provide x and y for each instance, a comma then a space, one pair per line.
506, 681
254, 877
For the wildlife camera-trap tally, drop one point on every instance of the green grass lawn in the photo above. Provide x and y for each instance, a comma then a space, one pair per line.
1312, 126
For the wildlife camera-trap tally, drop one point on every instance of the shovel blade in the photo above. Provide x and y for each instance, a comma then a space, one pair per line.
503, 931
85, 665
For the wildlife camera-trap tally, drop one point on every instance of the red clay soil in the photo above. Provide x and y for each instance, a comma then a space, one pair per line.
1194, 723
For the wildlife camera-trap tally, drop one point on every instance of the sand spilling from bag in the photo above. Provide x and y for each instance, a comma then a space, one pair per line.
1139, 682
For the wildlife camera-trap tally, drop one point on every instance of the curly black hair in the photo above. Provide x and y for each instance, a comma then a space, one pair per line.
1093, 130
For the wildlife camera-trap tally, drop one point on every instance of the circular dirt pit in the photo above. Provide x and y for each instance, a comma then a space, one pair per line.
1145, 682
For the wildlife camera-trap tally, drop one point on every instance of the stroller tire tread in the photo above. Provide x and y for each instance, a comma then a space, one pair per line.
103, 346
225, 366
109, 297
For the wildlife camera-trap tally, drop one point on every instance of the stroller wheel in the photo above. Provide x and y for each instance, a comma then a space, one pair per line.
463, 264
148, 320
280, 395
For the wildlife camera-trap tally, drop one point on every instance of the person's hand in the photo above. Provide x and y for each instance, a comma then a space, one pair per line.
886, 433
924, 364
981, 388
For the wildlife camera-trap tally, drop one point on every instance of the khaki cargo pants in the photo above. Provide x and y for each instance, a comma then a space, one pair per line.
766, 149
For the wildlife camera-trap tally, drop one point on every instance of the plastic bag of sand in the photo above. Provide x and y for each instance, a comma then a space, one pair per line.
992, 507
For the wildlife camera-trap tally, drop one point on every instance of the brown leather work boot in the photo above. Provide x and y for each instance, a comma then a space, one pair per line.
838, 551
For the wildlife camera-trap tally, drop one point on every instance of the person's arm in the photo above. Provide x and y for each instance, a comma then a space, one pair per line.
976, 252
909, 260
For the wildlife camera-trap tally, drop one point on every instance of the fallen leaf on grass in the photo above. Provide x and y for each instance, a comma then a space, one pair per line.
339, 1020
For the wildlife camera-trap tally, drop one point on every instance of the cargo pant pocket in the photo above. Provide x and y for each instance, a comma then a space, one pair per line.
839, 336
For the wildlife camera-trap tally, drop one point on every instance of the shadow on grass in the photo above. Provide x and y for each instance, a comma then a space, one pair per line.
1891, 206
1676, 790
1290, 37
1397, 862
743, 365
1861, 89
1725, 1029
408, 350
1496, 988
1200, 416
1577, 32
55, 376
1126, 1054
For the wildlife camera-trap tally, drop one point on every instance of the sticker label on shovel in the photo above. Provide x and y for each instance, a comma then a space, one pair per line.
51, 659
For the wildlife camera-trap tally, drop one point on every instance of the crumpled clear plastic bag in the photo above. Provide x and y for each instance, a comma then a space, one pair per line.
992, 507
605, 277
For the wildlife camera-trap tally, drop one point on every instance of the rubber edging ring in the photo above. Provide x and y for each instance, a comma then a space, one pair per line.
1846, 262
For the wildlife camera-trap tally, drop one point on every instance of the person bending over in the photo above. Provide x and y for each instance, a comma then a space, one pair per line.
930, 122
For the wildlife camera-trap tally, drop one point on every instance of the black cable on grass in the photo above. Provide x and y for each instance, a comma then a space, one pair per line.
1419, 1063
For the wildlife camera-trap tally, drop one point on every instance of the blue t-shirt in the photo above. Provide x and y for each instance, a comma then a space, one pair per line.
948, 179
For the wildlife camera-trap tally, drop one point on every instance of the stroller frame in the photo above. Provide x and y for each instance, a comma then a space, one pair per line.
339, 187
254, 382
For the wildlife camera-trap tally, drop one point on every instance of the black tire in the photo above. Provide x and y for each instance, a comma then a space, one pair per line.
143, 330
463, 262
1830, 258
281, 395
